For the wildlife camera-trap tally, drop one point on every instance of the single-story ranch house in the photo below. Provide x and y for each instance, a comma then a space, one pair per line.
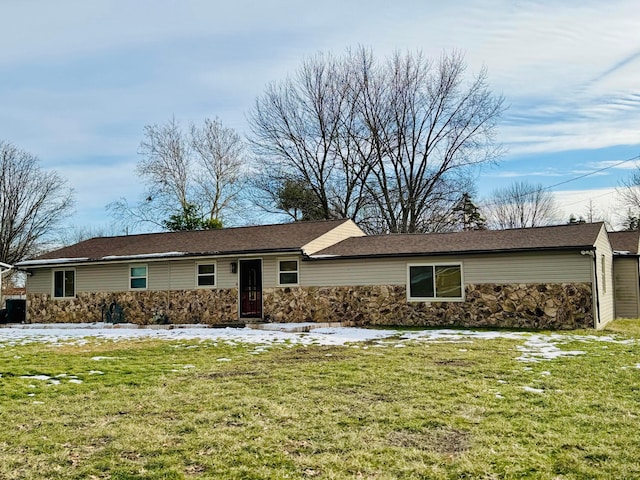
545, 277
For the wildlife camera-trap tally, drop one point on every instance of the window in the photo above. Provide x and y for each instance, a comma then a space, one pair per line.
435, 282
287, 272
138, 277
206, 275
64, 283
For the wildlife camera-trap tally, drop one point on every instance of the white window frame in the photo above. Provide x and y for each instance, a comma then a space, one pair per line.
53, 283
435, 298
146, 277
215, 274
278, 271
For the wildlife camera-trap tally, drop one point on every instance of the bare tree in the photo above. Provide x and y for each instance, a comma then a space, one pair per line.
521, 205
33, 203
382, 144
220, 161
629, 192
305, 130
77, 234
430, 129
192, 177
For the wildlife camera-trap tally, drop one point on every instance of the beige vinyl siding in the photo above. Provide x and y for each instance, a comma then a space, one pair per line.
40, 281
546, 267
341, 232
627, 294
102, 278
532, 267
270, 271
183, 275
158, 275
225, 278
605, 285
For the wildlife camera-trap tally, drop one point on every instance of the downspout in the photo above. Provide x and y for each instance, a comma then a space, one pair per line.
596, 320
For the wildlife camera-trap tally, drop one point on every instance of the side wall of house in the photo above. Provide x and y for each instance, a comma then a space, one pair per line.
605, 279
626, 287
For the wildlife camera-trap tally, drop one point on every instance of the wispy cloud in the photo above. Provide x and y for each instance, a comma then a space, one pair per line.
81, 79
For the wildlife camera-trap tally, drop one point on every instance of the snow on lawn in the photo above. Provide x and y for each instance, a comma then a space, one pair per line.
535, 346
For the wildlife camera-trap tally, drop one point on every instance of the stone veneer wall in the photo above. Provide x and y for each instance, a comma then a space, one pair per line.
213, 307
552, 306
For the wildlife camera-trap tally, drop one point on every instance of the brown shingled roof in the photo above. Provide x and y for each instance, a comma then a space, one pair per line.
574, 236
261, 238
625, 241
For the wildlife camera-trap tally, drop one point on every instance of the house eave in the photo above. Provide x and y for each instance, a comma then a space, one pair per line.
55, 262
450, 253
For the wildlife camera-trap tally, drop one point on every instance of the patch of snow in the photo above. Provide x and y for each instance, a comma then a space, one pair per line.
95, 372
75, 380
224, 360
29, 263
38, 403
532, 390
37, 377
535, 347
144, 255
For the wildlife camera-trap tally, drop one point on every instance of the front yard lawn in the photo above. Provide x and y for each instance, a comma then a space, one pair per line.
379, 409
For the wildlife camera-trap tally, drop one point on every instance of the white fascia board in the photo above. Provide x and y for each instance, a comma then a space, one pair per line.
50, 261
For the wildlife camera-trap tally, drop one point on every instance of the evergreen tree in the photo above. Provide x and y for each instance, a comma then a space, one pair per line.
468, 214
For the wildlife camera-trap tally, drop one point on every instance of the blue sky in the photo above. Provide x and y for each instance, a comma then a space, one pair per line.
79, 80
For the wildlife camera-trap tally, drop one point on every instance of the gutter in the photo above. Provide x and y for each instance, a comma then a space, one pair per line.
448, 253
49, 263
6, 267
595, 277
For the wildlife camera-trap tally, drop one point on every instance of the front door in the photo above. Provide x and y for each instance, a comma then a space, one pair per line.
250, 288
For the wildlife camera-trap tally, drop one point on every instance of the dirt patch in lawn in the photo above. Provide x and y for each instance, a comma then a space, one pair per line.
446, 441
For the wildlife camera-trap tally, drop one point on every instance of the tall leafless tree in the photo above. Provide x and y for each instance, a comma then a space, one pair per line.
521, 205
219, 167
382, 143
33, 203
200, 169
305, 130
629, 193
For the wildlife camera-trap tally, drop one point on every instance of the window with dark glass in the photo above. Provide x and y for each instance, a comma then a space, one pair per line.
288, 272
138, 277
64, 283
206, 276
434, 282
